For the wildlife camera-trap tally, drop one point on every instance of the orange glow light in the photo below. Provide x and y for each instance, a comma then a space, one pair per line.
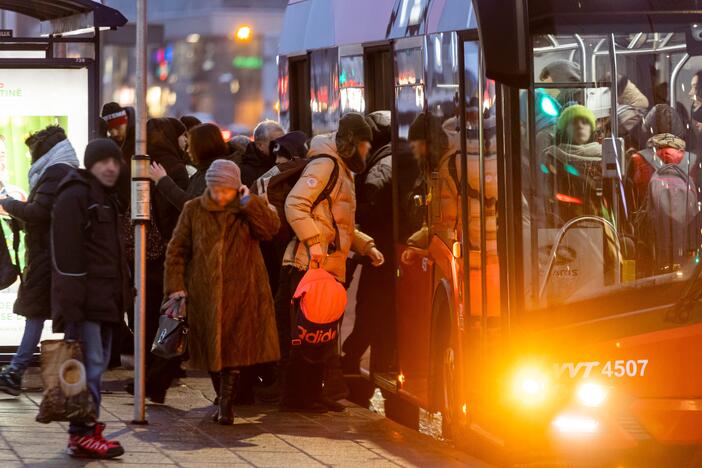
401, 379
227, 135
243, 33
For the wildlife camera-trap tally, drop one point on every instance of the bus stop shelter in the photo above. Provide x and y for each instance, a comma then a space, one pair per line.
40, 86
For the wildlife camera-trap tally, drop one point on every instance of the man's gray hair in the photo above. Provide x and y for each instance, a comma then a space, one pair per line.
265, 129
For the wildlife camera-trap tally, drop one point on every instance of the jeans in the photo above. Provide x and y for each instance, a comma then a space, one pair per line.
30, 340
96, 341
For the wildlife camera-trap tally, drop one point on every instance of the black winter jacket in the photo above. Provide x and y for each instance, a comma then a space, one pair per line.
169, 189
166, 214
254, 164
374, 198
34, 295
90, 276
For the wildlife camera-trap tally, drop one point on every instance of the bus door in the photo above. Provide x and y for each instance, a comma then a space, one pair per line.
412, 198
478, 310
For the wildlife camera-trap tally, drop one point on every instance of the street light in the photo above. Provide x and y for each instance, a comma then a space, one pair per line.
243, 33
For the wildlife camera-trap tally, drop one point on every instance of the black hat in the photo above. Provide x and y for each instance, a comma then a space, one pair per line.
354, 125
380, 124
418, 128
101, 149
292, 145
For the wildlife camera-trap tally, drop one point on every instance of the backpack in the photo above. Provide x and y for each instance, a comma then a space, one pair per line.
666, 223
276, 184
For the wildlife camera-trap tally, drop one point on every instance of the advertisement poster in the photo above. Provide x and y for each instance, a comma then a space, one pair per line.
30, 100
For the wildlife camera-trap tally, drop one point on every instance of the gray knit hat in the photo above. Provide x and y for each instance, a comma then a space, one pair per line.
223, 173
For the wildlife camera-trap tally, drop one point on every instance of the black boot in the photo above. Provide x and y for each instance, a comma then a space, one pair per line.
227, 394
216, 382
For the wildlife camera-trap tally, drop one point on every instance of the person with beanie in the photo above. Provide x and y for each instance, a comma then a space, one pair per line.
90, 282
121, 123
325, 234
563, 71
53, 158
292, 145
574, 164
229, 303
375, 297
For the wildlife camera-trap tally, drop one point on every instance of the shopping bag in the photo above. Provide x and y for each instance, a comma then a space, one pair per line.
171, 340
66, 394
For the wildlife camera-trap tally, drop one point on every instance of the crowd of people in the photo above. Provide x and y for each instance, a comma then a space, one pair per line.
650, 190
211, 240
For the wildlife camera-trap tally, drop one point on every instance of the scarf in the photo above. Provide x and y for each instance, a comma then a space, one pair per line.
61, 153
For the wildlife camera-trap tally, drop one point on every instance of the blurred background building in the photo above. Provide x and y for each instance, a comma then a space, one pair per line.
215, 59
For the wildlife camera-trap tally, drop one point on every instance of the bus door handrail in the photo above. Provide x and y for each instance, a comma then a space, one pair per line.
674, 77
559, 237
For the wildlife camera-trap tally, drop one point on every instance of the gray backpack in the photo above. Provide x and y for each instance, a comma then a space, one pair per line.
667, 225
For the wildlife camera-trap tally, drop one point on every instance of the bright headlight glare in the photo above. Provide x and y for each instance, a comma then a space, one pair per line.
591, 394
531, 385
575, 424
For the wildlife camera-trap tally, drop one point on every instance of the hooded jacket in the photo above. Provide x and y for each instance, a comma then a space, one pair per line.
254, 164
214, 257
312, 226
163, 149
34, 295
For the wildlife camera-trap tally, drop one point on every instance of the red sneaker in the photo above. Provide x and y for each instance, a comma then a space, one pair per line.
94, 445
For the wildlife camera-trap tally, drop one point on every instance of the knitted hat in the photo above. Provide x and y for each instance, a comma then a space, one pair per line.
114, 114
573, 112
663, 119
417, 129
101, 149
561, 71
292, 145
223, 173
354, 125
380, 124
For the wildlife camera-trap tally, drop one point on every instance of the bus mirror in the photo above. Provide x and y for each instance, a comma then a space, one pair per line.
693, 40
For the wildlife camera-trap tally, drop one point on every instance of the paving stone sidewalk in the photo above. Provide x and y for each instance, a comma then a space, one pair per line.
182, 434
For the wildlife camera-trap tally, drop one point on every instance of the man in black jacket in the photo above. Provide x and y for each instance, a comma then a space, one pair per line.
121, 123
89, 288
257, 159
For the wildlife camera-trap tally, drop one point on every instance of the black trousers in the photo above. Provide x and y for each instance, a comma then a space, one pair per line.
288, 280
305, 373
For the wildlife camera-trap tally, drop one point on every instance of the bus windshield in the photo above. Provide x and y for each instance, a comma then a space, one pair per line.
612, 169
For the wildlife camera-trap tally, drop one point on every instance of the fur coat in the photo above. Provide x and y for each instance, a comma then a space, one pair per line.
214, 256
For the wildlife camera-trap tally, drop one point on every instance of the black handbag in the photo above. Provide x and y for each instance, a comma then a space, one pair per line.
171, 340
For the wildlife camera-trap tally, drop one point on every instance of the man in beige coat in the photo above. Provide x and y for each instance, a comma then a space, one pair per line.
325, 233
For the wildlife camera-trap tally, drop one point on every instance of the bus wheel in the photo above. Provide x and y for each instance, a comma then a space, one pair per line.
401, 411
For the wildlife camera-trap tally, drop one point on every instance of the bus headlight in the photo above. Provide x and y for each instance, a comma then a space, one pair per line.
567, 423
531, 386
591, 394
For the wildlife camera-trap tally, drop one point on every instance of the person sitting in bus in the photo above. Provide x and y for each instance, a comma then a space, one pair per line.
563, 71
574, 166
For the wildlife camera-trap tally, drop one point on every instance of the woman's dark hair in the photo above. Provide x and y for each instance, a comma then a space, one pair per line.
206, 143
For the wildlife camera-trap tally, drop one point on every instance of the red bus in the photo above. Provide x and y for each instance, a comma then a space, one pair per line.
549, 298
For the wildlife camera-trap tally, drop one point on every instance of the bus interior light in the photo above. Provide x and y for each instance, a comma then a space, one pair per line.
591, 394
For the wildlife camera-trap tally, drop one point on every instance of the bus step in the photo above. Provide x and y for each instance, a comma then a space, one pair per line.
386, 381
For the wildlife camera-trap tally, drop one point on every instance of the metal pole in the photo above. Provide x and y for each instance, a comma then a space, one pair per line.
140, 215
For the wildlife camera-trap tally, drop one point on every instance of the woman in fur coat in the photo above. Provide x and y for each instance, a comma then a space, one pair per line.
214, 259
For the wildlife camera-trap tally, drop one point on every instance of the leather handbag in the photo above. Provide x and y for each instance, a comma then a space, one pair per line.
171, 340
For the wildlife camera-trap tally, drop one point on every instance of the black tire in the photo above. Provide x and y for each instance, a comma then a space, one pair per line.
401, 411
